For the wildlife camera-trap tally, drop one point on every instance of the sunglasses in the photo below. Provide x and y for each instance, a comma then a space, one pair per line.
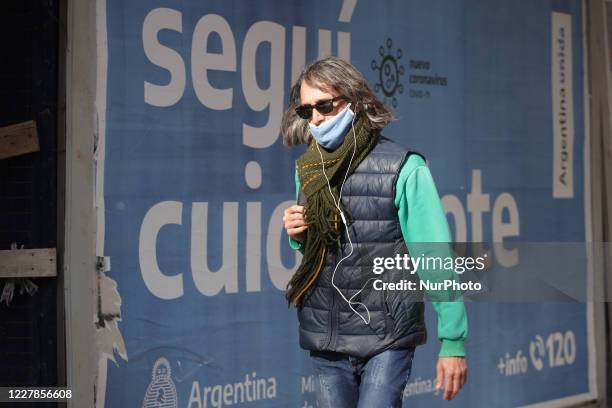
323, 107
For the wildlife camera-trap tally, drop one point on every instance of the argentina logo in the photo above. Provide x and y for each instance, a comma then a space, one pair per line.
161, 392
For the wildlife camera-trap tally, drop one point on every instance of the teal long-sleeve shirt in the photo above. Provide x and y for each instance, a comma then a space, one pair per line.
422, 220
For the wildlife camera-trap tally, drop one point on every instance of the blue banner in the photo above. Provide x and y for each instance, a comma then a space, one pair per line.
196, 179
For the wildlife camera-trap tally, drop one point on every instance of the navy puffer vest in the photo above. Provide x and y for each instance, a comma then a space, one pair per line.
396, 318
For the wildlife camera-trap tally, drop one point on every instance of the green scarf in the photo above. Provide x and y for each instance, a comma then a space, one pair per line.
321, 215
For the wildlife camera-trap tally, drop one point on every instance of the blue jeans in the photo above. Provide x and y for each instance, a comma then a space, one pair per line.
343, 381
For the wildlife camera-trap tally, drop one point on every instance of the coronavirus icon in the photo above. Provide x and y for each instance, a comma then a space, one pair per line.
389, 70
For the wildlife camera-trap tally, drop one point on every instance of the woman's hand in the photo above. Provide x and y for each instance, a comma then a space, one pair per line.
294, 222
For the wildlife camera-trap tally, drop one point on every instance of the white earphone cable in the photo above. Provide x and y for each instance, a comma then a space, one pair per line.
350, 301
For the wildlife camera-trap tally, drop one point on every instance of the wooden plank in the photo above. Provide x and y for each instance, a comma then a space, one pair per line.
18, 139
27, 263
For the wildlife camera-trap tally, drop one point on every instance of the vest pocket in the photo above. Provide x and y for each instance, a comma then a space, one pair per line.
311, 317
351, 323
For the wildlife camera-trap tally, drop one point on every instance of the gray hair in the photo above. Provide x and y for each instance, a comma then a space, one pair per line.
333, 74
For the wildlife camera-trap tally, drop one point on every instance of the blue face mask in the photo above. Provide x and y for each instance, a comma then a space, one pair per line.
330, 134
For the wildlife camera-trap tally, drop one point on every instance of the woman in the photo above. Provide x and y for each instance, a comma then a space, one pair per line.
364, 197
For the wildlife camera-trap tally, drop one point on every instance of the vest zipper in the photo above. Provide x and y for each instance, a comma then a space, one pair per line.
332, 320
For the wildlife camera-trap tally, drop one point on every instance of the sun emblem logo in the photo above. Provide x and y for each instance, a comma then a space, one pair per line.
390, 70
